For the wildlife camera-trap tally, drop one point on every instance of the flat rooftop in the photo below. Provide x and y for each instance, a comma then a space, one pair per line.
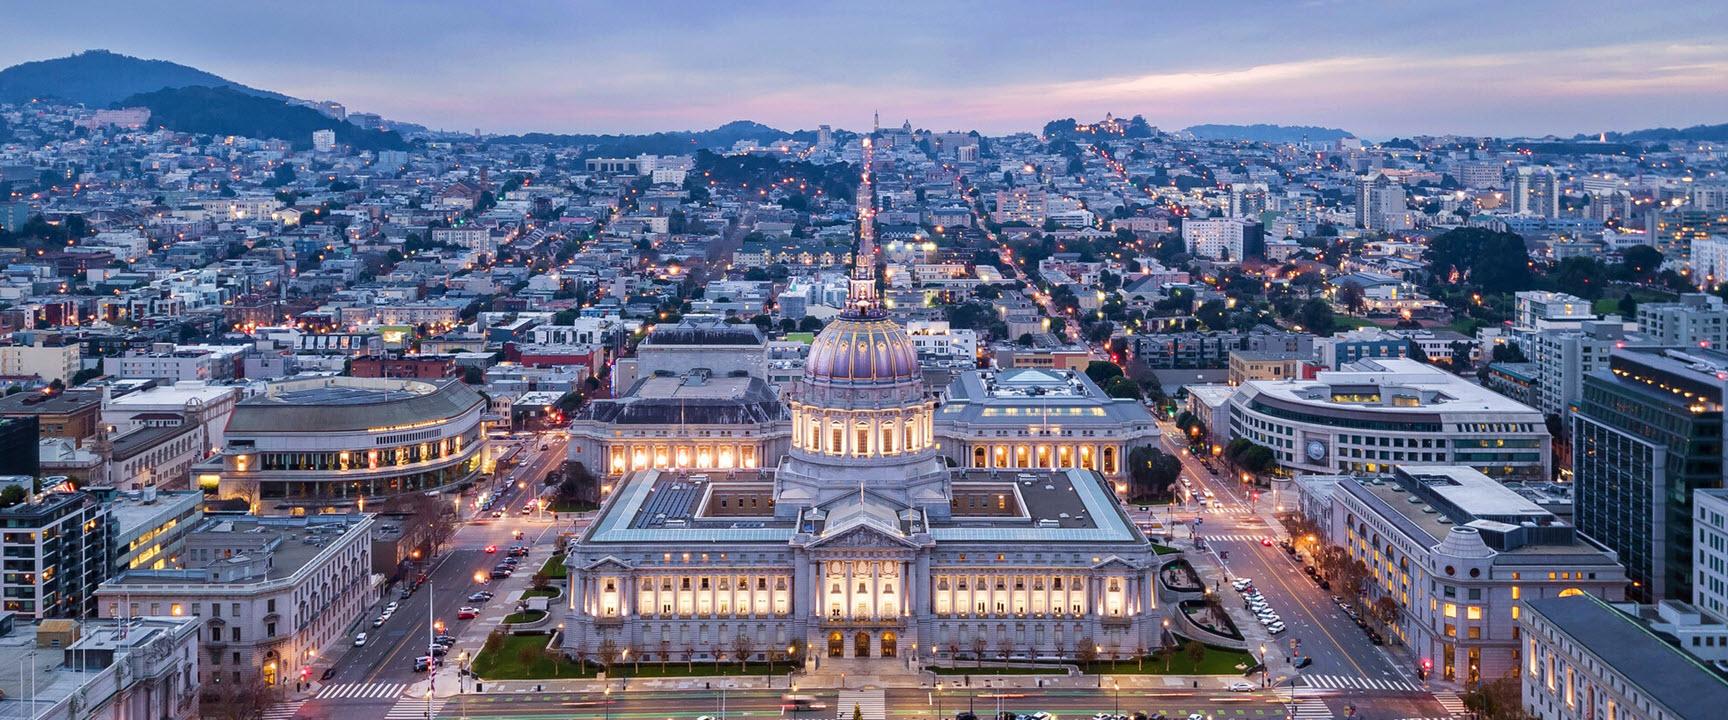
1668, 674
291, 544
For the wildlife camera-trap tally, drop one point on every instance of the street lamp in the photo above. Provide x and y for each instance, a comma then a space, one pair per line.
1264, 671
1117, 685
939, 713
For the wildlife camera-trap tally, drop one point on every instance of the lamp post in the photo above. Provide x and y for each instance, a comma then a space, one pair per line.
939, 714
1117, 686
608, 701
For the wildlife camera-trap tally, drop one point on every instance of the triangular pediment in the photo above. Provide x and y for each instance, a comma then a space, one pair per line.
1114, 562
608, 563
862, 535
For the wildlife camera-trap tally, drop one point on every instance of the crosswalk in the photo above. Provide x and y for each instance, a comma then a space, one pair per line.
1311, 709
1232, 538
1452, 703
361, 690
870, 703
412, 708
1350, 682
282, 710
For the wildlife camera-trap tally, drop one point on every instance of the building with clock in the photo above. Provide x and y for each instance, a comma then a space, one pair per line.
1377, 414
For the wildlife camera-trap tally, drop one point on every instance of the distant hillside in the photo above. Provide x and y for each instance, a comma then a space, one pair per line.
99, 78
1268, 133
1696, 133
226, 111
663, 143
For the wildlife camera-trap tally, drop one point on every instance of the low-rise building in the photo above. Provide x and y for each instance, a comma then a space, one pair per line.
1379, 414
263, 590
1584, 659
141, 667
1455, 552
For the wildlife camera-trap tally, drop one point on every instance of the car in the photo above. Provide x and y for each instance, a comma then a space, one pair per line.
360, 640
1241, 583
437, 650
392, 607
527, 509
1325, 585
467, 613
1267, 620
481, 596
1302, 662
516, 535
497, 513
1375, 638
500, 573
1337, 601
425, 663
1275, 629
1241, 687
1266, 541
491, 549
379, 621
406, 593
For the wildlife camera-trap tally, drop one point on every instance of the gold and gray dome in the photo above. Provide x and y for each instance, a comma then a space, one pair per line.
862, 349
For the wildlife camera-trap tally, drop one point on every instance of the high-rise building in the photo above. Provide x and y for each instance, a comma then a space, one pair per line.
1673, 232
1227, 239
58, 547
1647, 433
1696, 319
1708, 261
1247, 200
1380, 203
1563, 357
323, 140
1536, 191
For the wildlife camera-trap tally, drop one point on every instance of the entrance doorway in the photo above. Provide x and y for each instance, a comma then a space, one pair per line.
890, 644
861, 645
836, 645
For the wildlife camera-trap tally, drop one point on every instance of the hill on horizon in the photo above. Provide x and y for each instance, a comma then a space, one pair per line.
1267, 133
1696, 133
99, 78
674, 142
227, 111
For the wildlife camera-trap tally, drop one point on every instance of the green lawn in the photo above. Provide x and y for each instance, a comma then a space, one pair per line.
531, 592
1351, 321
1217, 661
525, 617
520, 657
1164, 549
554, 567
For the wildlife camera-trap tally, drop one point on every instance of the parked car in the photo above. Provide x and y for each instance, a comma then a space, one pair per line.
360, 640
481, 596
1275, 628
425, 663
379, 621
1241, 687
467, 613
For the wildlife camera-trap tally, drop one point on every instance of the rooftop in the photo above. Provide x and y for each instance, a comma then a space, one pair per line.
335, 404
263, 549
1668, 674
1394, 385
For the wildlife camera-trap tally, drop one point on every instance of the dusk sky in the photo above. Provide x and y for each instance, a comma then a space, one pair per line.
1376, 68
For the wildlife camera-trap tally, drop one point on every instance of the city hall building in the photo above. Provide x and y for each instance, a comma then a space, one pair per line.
865, 546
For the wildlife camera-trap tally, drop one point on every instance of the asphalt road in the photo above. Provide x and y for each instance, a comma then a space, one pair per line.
387, 659
1232, 528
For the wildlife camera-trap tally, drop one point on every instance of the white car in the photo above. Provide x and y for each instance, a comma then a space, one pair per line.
1267, 620
1275, 628
1241, 687
379, 621
391, 607
360, 640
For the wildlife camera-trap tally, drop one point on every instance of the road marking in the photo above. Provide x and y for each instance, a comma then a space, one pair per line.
411, 708
1348, 682
872, 704
361, 690
1450, 701
282, 710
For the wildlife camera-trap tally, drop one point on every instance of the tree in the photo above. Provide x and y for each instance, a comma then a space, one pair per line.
1121, 387
1353, 298
244, 699
1025, 340
1151, 473
1387, 611
1315, 316
742, 648
1493, 261
1195, 652
857, 712
1640, 261
473, 375
979, 644
1508, 353
86, 375
1585, 277
1500, 699
608, 653
12, 495
1102, 370
810, 323
1086, 652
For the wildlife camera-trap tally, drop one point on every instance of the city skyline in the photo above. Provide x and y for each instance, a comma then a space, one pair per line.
1477, 69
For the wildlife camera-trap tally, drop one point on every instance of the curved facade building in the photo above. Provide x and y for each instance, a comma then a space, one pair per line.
330, 441
1376, 415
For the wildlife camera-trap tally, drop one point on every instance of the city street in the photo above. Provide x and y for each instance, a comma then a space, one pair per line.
371, 679
1233, 528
